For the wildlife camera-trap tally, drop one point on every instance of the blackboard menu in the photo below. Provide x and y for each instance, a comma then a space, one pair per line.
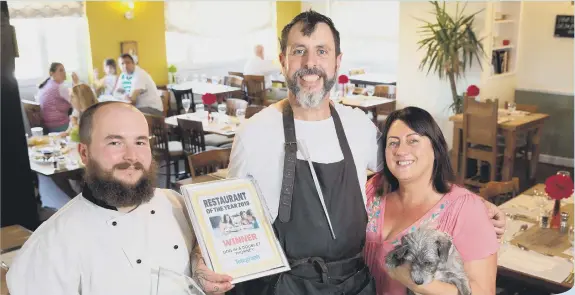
564, 26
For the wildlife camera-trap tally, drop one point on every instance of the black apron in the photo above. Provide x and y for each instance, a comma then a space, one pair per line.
320, 264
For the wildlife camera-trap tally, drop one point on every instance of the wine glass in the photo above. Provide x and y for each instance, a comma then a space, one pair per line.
204, 78
241, 114
186, 104
370, 91
222, 109
215, 80
511, 106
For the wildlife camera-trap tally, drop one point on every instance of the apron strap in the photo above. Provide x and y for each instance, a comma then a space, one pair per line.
290, 159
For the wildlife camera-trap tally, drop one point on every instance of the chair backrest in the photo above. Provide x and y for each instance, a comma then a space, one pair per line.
500, 192
356, 72
527, 108
358, 90
179, 95
209, 161
253, 109
159, 136
33, 113
165, 95
237, 74
232, 104
255, 89
381, 91
233, 81
479, 122
192, 136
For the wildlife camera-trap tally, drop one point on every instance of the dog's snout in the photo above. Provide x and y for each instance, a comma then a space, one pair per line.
418, 281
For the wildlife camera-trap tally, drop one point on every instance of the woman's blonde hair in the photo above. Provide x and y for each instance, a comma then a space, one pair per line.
83, 97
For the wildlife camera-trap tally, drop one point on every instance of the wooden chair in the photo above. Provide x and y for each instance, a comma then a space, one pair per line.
479, 138
232, 104
209, 161
237, 74
524, 141
527, 108
500, 192
194, 138
385, 110
255, 89
33, 113
164, 150
179, 94
235, 82
165, 95
381, 91
252, 110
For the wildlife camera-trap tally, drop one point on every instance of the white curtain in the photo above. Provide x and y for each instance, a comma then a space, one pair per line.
49, 32
369, 32
203, 34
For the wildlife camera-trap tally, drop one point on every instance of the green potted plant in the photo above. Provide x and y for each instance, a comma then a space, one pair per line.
172, 70
451, 46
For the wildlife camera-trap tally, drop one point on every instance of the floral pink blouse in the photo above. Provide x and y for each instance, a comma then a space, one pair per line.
460, 213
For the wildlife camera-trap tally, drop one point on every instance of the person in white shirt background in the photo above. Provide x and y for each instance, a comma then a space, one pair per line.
138, 87
108, 239
259, 66
106, 84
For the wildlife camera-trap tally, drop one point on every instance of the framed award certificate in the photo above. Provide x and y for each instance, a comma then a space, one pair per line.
233, 228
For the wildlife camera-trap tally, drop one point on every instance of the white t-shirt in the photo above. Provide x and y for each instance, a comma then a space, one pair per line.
261, 67
149, 96
86, 249
258, 148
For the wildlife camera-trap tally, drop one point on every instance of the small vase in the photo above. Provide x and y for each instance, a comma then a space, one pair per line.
556, 215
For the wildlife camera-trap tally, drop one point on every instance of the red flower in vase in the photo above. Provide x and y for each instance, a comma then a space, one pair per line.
559, 187
209, 98
343, 79
472, 91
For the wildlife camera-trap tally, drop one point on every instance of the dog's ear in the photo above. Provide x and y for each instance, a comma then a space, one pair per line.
397, 256
443, 246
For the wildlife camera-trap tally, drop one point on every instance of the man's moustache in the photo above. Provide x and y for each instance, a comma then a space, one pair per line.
126, 165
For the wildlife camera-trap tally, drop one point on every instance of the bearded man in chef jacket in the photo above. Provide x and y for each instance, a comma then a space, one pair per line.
109, 239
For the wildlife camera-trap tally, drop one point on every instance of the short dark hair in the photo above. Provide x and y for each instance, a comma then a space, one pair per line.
126, 55
420, 121
87, 121
110, 62
310, 19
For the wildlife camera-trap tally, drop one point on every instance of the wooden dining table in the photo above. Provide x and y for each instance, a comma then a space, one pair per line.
369, 103
509, 126
538, 256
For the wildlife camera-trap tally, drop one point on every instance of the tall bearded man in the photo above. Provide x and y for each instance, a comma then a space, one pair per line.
310, 159
110, 238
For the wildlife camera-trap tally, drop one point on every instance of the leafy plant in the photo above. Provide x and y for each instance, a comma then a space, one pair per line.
172, 69
451, 46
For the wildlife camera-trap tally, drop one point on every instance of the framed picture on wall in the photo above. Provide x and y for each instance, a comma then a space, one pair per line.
131, 48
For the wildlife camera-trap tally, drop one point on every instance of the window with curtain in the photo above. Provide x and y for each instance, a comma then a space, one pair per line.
49, 32
369, 32
203, 34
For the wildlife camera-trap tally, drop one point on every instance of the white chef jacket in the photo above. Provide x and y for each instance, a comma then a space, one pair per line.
258, 148
89, 250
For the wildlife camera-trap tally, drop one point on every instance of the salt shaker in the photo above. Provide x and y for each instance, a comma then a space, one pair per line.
564, 217
544, 221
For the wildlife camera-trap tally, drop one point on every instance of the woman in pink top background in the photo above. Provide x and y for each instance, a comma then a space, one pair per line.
54, 99
417, 173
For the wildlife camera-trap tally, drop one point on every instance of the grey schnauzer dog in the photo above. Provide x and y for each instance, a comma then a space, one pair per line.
432, 256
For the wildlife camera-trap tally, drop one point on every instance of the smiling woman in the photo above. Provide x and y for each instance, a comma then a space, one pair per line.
423, 194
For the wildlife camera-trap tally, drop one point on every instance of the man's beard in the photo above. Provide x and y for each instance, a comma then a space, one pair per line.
307, 99
105, 187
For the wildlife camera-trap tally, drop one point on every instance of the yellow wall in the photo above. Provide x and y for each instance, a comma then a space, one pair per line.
286, 11
108, 28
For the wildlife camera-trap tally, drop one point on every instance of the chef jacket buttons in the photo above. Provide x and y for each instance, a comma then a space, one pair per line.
176, 247
139, 261
153, 212
114, 223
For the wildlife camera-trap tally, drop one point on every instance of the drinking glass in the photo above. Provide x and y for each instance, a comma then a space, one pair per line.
204, 78
370, 91
222, 109
511, 106
215, 80
186, 104
241, 114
